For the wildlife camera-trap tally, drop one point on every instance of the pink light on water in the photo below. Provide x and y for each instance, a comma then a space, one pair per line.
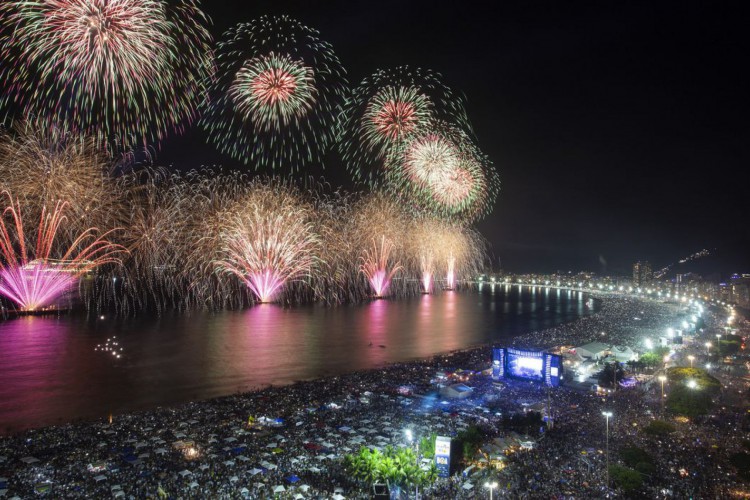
375, 266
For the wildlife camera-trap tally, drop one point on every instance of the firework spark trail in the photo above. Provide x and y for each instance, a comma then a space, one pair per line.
267, 244
377, 266
108, 68
388, 107
427, 273
34, 280
277, 95
210, 200
450, 275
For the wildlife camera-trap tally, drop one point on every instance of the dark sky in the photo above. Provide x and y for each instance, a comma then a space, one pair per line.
620, 129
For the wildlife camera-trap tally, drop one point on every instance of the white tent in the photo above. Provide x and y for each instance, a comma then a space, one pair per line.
118, 494
338, 496
184, 473
255, 471
29, 460
297, 496
233, 479
467, 485
100, 477
193, 484
304, 487
279, 489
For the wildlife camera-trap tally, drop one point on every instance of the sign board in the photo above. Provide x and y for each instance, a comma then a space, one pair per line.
443, 456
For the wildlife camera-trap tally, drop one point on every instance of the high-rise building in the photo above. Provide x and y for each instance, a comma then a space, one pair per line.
740, 289
641, 273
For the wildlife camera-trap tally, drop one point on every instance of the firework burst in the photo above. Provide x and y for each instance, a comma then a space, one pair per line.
269, 241
277, 95
386, 108
123, 71
378, 266
33, 280
441, 172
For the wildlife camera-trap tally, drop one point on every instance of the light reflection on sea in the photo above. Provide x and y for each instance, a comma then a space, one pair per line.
51, 371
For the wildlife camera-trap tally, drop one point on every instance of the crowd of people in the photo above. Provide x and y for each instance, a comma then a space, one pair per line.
289, 442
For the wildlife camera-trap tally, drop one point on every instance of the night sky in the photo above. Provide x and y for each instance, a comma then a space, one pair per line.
619, 129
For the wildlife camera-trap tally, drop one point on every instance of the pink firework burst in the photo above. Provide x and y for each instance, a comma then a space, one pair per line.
33, 280
34, 285
375, 266
269, 243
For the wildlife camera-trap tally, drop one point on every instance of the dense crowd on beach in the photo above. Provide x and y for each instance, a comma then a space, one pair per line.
289, 442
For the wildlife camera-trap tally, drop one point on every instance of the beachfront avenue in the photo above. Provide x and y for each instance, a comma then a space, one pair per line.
526, 439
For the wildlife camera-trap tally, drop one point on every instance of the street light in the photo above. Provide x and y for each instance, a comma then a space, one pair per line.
491, 486
718, 343
692, 384
607, 414
708, 348
691, 358
662, 379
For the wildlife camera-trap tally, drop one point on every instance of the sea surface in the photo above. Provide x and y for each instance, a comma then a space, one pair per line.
54, 370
